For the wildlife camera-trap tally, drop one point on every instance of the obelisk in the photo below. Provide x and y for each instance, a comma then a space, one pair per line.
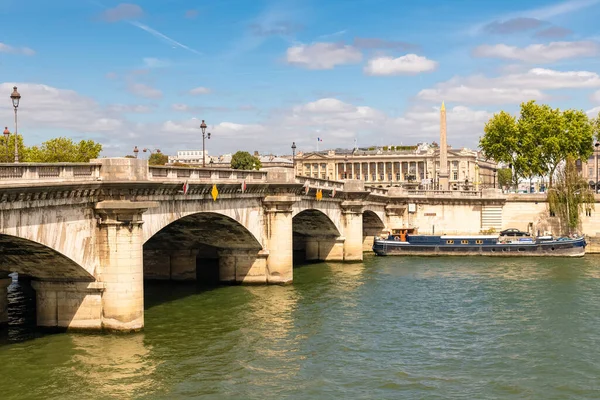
443, 174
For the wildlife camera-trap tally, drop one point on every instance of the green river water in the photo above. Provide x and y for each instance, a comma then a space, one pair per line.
388, 328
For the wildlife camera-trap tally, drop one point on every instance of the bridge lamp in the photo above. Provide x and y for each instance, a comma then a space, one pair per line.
135, 151
596, 145
16, 97
204, 136
294, 155
6, 136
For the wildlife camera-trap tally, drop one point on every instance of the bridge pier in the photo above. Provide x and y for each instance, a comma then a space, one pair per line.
120, 240
5, 281
243, 266
278, 217
73, 305
325, 248
352, 219
183, 265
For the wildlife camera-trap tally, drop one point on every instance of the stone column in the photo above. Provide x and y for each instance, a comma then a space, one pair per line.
278, 234
5, 281
183, 265
72, 305
352, 219
121, 268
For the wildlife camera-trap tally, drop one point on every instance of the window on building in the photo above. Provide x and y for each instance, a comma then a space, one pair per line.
323, 175
449, 241
397, 177
464, 242
590, 171
455, 175
588, 212
374, 177
479, 242
389, 177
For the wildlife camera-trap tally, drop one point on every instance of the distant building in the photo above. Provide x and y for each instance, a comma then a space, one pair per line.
590, 168
189, 157
409, 166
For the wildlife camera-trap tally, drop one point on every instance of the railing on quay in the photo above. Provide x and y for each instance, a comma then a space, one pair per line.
162, 173
11, 174
445, 193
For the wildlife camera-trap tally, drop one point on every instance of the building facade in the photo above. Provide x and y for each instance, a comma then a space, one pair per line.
189, 157
411, 168
590, 168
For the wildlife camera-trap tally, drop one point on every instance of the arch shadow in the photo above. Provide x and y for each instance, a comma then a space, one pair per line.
372, 226
189, 248
314, 236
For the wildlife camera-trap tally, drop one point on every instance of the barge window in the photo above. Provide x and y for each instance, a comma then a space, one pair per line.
449, 241
479, 242
464, 242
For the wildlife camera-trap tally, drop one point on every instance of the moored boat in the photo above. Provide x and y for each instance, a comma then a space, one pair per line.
483, 245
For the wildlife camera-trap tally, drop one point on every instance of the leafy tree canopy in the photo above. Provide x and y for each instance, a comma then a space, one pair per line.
64, 150
245, 160
158, 159
504, 177
538, 141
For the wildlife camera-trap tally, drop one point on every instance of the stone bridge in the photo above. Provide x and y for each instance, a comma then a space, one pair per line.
87, 235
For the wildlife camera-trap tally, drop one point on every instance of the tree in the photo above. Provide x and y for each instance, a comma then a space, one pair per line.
539, 141
7, 150
158, 159
504, 177
596, 126
501, 142
570, 195
64, 150
245, 160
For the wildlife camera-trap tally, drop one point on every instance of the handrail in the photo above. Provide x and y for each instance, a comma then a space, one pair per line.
48, 172
165, 173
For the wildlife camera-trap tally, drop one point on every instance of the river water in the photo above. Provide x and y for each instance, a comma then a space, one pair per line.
388, 328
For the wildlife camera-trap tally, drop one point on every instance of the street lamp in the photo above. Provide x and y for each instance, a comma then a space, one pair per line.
151, 151
494, 170
294, 156
204, 136
135, 151
6, 137
596, 184
16, 97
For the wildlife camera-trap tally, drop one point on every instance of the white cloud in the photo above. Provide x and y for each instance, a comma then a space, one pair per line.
200, 90
595, 97
26, 51
123, 11
44, 107
594, 112
131, 108
322, 55
540, 53
151, 62
409, 64
143, 90
509, 89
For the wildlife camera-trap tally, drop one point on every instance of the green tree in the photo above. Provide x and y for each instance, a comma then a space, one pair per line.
595, 122
64, 150
7, 149
570, 196
245, 160
158, 159
501, 142
504, 177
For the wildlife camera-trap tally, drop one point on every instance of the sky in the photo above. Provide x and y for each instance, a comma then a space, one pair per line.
264, 74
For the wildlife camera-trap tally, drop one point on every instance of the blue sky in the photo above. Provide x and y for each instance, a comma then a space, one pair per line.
266, 73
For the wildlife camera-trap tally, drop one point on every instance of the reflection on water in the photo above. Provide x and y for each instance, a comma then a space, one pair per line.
387, 328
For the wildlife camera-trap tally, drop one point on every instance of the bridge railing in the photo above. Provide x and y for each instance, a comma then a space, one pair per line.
320, 183
162, 173
445, 193
55, 172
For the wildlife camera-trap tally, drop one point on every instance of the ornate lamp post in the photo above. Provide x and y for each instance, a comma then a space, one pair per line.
204, 137
596, 145
16, 97
494, 170
294, 156
135, 151
6, 137
151, 151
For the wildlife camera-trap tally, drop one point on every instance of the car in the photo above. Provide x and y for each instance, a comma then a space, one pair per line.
513, 232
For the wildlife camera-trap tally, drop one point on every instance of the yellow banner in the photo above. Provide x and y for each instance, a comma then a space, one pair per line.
214, 192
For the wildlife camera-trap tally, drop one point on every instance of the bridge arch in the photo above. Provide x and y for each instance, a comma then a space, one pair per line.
373, 225
28, 257
316, 237
201, 246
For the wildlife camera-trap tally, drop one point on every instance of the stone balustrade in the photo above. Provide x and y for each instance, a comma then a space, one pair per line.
11, 174
165, 173
320, 183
